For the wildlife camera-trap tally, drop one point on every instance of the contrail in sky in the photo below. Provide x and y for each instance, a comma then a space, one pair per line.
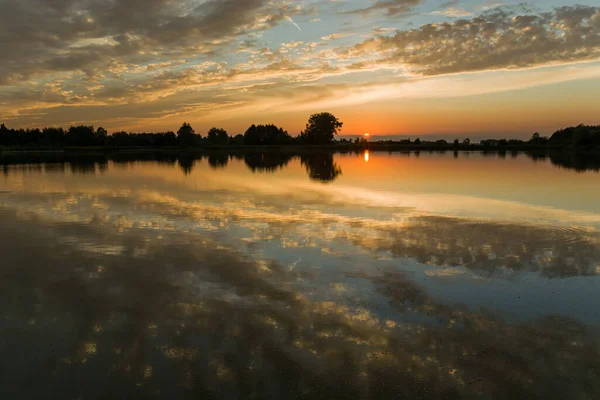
295, 24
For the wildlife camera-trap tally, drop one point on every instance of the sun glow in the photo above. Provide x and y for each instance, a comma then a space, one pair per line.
367, 134
367, 156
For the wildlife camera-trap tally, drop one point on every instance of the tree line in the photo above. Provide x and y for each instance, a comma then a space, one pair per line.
320, 129
581, 136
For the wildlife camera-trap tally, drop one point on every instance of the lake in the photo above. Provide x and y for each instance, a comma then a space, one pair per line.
278, 275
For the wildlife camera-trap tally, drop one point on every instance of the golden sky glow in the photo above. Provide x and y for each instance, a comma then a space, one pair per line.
407, 67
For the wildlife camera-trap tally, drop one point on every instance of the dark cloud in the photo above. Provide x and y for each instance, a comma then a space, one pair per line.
497, 39
79, 35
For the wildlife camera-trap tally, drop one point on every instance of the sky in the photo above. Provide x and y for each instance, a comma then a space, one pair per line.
387, 67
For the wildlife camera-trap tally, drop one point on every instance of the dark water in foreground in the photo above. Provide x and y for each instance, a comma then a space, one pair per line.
348, 276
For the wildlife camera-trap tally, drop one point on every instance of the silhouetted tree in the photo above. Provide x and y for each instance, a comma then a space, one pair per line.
467, 142
33, 137
186, 135
536, 139
53, 136
81, 136
321, 129
237, 140
217, 136
165, 139
121, 139
362, 142
101, 136
8, 137
266, 135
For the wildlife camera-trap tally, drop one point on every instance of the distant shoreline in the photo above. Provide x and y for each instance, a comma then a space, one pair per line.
373, 146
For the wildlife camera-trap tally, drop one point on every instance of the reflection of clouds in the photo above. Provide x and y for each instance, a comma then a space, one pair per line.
219, 187
174, 314
488, 246
135, 282
320, 218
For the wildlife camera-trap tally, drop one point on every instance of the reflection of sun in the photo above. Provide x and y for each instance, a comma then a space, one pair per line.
367, 156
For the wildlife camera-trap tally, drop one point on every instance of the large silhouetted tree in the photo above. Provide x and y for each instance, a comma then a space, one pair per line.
186, 135
321, 129
81, 136
101, 136
53, 136
266, 135
218, 136
237, 140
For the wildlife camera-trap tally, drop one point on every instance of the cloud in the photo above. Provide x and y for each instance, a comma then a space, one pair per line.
335, 36
391, 8
128, 63
76, 35
499, 39
453, 12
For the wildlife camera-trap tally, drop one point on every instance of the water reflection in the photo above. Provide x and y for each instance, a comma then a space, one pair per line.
139, 281
218, 160
267, 162
490, 248
320, 166
160, 316
578, 162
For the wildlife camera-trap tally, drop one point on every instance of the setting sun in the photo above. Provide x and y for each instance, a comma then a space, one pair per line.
367, 134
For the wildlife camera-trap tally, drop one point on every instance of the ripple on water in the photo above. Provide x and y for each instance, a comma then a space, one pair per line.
564, 235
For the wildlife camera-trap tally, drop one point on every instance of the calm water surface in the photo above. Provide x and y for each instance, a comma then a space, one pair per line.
319, 276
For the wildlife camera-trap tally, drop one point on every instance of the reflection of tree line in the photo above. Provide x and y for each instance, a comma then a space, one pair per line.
320, 166
580, 162
573, 160
88, 324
